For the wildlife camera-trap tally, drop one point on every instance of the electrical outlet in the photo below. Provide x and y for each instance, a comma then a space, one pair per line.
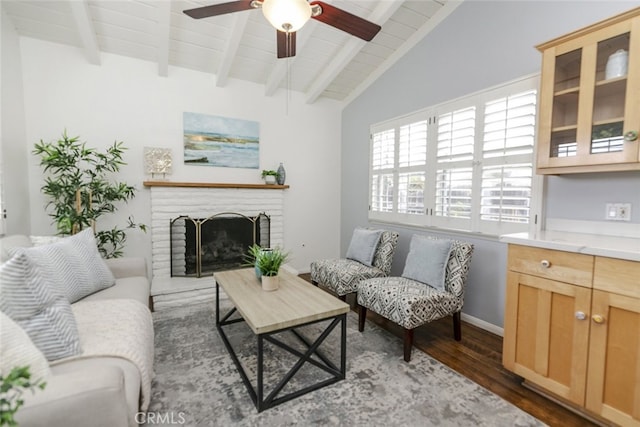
618, 212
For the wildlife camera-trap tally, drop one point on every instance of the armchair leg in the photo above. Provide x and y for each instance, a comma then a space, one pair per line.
362, 316
408, 343
457, 326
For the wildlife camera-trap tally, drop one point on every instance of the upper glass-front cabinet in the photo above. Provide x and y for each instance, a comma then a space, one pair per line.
589, 115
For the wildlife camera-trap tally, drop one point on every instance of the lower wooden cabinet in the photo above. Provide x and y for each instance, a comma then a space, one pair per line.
579, 341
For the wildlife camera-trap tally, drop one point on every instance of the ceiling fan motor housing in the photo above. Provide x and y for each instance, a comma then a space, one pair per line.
286, 15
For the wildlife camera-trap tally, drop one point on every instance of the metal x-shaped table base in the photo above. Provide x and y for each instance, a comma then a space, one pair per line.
272, 399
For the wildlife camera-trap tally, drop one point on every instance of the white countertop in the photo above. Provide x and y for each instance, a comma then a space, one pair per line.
591, 244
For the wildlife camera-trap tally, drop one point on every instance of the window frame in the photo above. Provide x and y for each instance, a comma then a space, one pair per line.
475, 224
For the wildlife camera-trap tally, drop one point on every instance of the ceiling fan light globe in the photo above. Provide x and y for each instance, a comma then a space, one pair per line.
286, 15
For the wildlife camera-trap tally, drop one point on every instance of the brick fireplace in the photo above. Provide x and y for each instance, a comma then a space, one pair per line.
170, 200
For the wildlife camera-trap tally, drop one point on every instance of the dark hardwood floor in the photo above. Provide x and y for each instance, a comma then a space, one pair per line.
478, 356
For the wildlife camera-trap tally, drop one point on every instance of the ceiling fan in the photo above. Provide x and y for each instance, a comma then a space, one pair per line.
288, 16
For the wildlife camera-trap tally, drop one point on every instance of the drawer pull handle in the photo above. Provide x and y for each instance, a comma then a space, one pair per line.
545, 264
580, 315
598, 319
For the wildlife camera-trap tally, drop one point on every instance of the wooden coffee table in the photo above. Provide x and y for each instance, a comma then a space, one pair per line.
296, 303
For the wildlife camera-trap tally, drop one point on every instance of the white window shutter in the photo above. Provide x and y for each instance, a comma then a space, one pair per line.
507, 172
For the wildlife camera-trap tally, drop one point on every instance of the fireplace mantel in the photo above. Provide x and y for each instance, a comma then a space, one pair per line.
212, 185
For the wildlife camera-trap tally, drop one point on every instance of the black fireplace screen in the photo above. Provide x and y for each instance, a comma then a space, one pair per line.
200, 247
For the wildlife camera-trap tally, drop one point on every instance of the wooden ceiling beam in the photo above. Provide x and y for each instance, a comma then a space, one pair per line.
231, 48
383, 11
164, 36
86, 30
409, 44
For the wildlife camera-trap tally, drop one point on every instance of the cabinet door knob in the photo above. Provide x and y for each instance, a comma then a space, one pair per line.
632, 135
580, 315
545, 264
597, 318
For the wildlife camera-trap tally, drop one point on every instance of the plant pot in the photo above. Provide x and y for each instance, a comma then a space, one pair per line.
270, 283
269, 179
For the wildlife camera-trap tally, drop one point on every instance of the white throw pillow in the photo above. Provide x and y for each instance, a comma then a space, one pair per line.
74, 264
17, 350
363, 245
427, 261
38, 307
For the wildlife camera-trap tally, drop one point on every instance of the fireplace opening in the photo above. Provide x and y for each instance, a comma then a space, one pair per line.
202, 246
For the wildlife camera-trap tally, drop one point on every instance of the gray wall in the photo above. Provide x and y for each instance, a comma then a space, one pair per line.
481, 44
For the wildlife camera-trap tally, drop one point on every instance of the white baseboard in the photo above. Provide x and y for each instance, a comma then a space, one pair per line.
497, 330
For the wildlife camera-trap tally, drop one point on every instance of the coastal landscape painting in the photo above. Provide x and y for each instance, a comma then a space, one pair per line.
220, 141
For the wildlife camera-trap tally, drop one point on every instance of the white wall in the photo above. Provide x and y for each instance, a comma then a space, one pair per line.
13, 143
124, 99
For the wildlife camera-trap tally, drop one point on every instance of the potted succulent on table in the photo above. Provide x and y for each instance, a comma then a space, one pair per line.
269, 176
267, 263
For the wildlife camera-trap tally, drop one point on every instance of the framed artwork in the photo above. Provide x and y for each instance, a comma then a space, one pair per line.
220, 141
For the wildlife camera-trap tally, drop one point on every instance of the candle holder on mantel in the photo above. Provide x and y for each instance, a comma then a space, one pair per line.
157, 162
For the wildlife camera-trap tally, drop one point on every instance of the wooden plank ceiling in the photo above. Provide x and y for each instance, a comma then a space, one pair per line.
329, 63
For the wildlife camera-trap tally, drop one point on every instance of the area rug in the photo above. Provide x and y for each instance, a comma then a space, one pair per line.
197, 384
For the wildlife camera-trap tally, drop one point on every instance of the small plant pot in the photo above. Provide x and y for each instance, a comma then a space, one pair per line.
269, 179
270, 283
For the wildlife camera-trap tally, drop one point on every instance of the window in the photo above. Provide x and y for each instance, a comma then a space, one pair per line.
465, 165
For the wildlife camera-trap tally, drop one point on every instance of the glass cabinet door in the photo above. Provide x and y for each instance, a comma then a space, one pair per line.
589, 107
607, 127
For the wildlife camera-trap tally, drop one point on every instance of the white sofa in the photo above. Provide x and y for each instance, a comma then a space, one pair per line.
102, 386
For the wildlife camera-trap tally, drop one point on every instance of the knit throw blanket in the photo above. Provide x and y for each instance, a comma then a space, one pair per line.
117, 328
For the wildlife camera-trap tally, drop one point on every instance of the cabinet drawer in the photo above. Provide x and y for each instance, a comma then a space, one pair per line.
617, 276
567, 267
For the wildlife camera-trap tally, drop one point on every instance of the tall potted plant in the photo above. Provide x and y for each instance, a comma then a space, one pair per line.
80, 186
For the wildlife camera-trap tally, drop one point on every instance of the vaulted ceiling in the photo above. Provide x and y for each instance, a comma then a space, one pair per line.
329, 63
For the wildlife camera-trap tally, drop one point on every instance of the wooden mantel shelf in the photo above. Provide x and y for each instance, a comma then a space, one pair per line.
212, 185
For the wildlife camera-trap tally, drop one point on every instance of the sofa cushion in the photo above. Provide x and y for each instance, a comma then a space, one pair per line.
87, 396
73, 264
136, 288
17, 349
39, 308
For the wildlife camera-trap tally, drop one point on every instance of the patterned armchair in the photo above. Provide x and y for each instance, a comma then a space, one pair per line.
410, 303
341, 276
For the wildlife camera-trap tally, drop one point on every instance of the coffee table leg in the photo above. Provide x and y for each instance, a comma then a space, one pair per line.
217, 303
260, 385
343, 349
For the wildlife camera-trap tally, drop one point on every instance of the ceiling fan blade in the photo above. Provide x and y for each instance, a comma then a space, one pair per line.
219, 9
346, 21
286, 44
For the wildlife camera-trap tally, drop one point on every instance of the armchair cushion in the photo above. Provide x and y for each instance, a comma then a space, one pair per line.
342, 275
363, 245
427, 261
406, 302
